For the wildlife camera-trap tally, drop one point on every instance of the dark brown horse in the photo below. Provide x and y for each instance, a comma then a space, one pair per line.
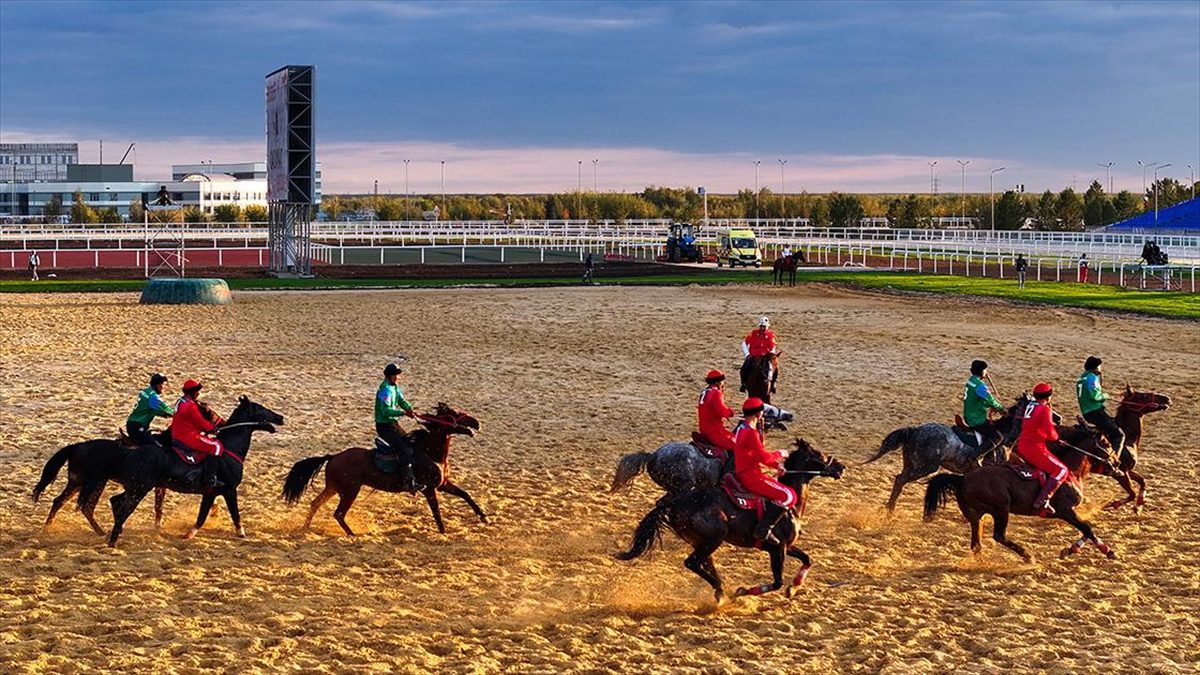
351, 469
996, 490
706, 518
1133, 407
787, 265
758, 375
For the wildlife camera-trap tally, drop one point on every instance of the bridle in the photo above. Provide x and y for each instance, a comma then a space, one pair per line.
1135, 406
435, 419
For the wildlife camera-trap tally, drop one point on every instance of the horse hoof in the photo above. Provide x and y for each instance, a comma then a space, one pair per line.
741, 591
1112, 555
191, 534
241, 532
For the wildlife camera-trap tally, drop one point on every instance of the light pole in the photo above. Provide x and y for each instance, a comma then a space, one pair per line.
756, 163
1156, 191
447, 215
579, 191
992, 194
1144, 167
1108, 172
932, 180
963, 187
1192, 180
207, 178
595, 164
782, 202
407, 214
375, 202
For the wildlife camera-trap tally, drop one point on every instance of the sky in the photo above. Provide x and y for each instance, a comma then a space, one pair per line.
522, 97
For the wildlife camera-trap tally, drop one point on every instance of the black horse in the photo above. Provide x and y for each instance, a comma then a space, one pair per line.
707, 518
141, 471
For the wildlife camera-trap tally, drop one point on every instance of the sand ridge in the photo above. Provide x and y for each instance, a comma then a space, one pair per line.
565, 381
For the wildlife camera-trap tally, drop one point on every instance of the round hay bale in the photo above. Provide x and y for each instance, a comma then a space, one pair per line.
186, 292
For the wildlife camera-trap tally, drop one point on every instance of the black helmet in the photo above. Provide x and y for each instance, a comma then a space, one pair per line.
1092, 363
391, 369
157, 379
978, 366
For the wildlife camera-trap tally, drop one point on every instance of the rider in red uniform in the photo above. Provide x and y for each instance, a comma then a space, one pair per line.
759, 343
1037, 429
748, 457
188, 427
711, 412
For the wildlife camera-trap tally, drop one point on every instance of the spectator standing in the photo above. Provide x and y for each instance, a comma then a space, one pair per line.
1020, 264
34, 262
1083, 268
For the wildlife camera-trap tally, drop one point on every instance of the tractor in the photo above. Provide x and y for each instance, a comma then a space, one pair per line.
681, 244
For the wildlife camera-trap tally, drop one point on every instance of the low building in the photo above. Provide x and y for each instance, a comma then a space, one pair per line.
240, 171
205, 193
32, 162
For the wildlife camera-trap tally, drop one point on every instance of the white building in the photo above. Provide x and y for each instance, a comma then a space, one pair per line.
240, 171
206, 193
31, 162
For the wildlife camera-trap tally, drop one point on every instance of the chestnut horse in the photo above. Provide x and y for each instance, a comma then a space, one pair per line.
998, 491
787, 265
1133, 407
349, 470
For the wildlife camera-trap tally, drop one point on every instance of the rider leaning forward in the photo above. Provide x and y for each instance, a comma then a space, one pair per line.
977, 401
390, 406
1037, 430
190, 428
1091, 404
149, 405
749, 456
711, 412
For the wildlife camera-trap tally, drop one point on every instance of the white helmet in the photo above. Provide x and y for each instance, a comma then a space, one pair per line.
764, 322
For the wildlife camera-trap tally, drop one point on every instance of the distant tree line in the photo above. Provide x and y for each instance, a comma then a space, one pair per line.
1064, 210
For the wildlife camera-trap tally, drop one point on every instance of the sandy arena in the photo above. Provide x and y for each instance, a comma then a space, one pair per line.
565, 381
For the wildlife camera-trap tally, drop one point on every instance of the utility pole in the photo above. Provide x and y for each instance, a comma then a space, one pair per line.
1156, 191
1108, 172
579, 191
932, 180
756, 163
782, 199
375, 202
963, 188
992, 195
444, 212
407, 215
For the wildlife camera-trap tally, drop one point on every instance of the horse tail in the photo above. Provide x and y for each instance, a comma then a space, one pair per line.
630, 467
892, 441
301, 476
649, 531
50, 471
939, 488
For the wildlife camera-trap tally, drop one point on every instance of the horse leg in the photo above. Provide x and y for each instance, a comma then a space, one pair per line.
234, 514
206, 503
68, 491
1085, 529
453, 489
432, 498
345, 501
1141, 495
805, 566
123, 505
88, 500
976, 522
1122, 478
776, 553
160, 496
1000, 534
700, 562
328, 492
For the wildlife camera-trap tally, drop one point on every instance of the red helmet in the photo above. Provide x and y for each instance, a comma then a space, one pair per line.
1042, 390
191, 385
752, 405
714, 376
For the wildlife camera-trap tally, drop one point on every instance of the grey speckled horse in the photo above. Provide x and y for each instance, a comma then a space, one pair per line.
932, 445
678, 467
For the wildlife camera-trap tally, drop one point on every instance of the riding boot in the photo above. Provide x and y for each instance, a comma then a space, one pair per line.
1042, 502
764, 531
408, 480
208, 478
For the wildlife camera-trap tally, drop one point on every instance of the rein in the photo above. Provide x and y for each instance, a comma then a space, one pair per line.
1136, 407
223, 427
1085, 452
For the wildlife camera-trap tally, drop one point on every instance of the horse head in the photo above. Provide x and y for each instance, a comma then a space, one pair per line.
453, 421
807, 459
248, 411
1144, 402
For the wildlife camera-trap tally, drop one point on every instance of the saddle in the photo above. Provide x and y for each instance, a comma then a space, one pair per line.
1026, 471
740, 496
706, 448
968, 436
385, 457
187, 469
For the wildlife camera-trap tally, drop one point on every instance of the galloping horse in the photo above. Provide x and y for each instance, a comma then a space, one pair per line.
998, 491
707, 518
144, 469
787, 265
759, 374
932, 445
1133, 407
353, 468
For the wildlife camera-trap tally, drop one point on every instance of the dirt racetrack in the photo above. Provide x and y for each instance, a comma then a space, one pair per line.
565, 381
